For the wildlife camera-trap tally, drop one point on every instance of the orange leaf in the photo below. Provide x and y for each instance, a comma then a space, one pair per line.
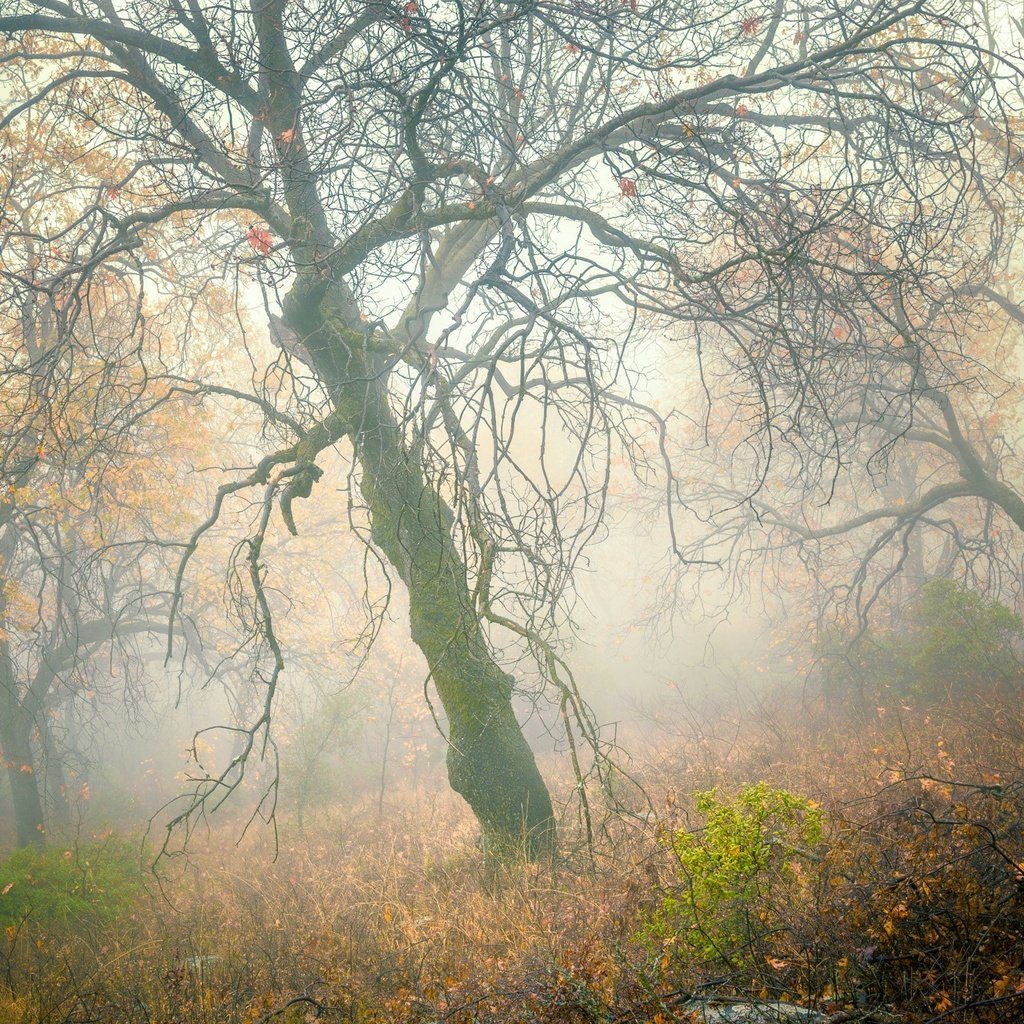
260, 240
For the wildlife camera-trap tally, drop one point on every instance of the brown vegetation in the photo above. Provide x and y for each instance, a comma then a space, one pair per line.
911, 906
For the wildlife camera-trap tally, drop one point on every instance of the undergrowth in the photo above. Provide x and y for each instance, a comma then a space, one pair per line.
70, 886
854, 866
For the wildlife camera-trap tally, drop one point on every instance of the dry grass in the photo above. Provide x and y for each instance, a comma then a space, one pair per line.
914, 903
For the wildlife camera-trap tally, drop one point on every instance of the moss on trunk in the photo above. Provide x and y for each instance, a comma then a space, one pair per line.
490, 763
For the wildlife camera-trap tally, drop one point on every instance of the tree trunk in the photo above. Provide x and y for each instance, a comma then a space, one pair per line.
16, 729
57, 810
16, 753
490, 763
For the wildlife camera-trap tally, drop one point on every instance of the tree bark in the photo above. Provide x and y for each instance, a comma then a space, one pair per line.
16, 753
490, 764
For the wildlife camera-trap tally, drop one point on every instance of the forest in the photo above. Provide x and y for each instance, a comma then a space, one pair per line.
511, 511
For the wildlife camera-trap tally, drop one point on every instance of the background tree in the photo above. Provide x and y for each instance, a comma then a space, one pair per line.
893, 484
92, 453
455, 212
83, 518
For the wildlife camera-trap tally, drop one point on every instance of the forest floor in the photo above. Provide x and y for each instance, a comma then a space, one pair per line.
860, 866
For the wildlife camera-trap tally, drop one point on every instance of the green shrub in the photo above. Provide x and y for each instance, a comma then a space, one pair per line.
956, 640
951, 642
85, 883
736, 872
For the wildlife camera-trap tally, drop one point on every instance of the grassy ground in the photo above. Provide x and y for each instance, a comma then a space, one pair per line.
909, 904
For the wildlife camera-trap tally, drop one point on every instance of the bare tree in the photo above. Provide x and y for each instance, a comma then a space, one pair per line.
464, 219
83, 424
908, 472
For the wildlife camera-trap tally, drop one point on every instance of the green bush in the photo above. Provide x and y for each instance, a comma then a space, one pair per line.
957, 639
736, 871
92, 882
951, 642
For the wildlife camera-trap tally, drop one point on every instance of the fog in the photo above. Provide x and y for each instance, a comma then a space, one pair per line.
371, 725
511, 512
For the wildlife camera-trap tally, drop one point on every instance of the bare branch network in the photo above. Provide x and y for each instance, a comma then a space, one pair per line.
488, 239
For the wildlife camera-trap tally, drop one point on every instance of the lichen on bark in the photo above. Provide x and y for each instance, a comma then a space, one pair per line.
490, 763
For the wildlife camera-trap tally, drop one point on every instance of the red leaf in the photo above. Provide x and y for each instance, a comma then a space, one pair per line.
573, 48
260, 240
412, 7
742, 110
750, 26
627, 186
406, 25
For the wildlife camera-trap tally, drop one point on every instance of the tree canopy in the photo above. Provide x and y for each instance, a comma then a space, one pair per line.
470, 227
